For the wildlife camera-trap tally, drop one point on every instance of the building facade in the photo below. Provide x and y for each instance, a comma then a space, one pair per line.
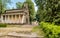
16, 16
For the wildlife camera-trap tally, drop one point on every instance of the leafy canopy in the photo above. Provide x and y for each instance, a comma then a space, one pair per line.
19, 5
48, 11
3, 5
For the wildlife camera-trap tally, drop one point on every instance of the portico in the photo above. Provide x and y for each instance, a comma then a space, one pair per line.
14, 18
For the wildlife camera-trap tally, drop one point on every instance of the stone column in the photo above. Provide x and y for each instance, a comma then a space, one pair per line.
22, 18
8, 19
19, 19
12, 19
15, 18
2, 18
5, 19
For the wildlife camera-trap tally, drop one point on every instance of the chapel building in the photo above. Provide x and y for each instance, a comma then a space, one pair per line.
16, 16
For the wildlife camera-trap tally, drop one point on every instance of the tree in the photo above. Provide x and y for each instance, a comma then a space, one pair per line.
31, 9
3, 5
41, 12
54, 6
19, 5
52, 10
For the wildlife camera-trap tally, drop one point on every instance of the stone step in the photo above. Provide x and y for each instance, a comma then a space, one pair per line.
10, 36
22, 26
16, 30
17, 35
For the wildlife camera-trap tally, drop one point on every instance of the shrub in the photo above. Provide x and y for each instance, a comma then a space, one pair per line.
51, 30
3, 25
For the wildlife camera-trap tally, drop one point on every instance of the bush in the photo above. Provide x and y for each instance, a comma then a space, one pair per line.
51, 30
3, 25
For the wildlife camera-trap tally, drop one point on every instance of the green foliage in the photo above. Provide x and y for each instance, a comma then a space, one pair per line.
19, 5
51, 30
39, 31
3, 25
3, 5
48, 11
35, 28
31, 9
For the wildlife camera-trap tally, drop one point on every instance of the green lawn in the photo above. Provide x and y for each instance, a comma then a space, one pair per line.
39, 31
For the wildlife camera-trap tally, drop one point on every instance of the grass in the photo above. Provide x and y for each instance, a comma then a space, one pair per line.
38, 30
3, 25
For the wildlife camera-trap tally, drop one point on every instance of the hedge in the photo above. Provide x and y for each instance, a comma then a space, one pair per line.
51, 30
3, 25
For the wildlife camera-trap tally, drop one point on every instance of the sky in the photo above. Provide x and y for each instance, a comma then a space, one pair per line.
13, 4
